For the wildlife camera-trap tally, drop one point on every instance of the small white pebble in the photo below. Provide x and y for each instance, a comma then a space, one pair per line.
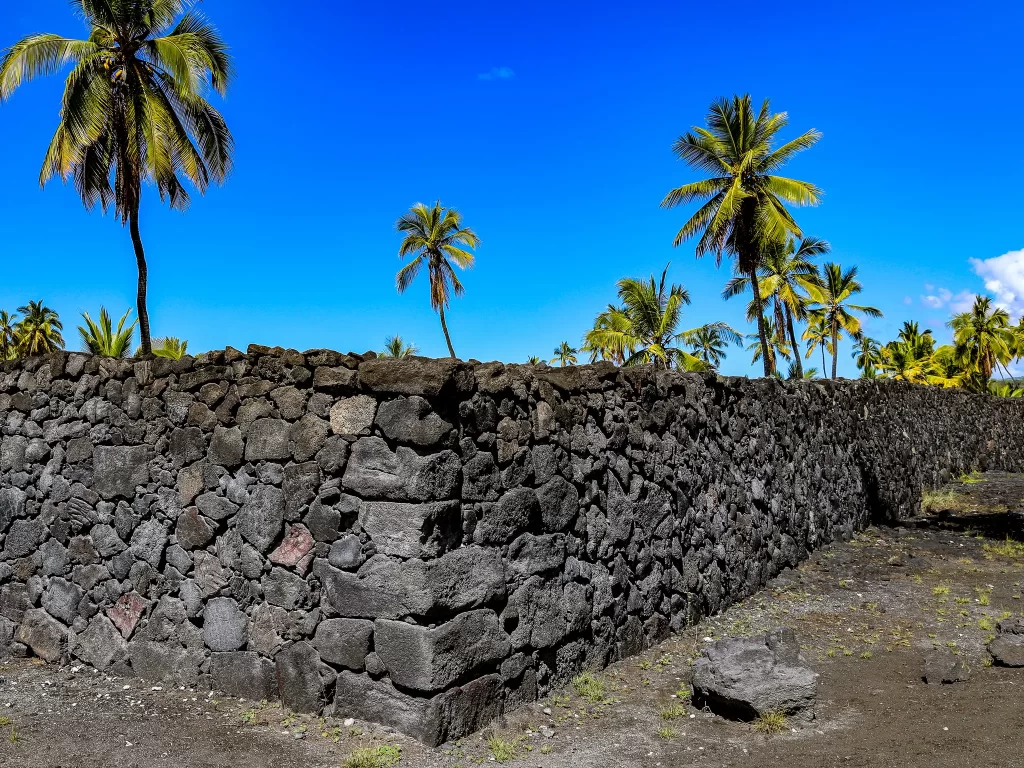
349, 722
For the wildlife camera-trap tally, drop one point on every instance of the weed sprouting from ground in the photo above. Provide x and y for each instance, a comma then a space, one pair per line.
771, 723
673, 712
940, 501
971, 478
666, 733
589, 687
1010, 548
373, 757
501, 750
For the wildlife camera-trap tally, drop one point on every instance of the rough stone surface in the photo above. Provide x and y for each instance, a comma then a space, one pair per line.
943, 668
344, 642
244, 674
430, 660
474, 534
225, 626
46, 636
746, 677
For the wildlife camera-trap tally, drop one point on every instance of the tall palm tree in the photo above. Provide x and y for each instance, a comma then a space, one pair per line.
134, 108
644, 328
743, 202
435, 236
394, 346
833, 306
565, 354
818, 334
39, 330
867, 354
776, 345
984, 339
787, 272
101, 338
708, 342
8, 335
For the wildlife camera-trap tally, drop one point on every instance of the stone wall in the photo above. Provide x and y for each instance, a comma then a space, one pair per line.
426, 543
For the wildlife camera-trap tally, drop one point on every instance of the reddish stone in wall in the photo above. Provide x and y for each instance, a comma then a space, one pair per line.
294, 550
126, 613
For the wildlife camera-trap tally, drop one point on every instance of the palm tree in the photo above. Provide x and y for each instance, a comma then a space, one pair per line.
743, 203
171, 348
984, 339
435, 236
533, 360
832, 298
709, 342
134, 108
39, 330
394, 346
910, 362
800, 373
8, 335
101, 338
867, 355
775, 348
786, 275
643, 329
565, 355
818, 334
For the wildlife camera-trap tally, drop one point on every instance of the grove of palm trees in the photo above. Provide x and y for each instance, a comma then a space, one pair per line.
135, 115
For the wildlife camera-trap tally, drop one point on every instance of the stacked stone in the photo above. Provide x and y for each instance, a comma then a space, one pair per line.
428, 543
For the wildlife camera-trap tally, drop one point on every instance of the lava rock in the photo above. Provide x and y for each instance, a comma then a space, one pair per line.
745, 677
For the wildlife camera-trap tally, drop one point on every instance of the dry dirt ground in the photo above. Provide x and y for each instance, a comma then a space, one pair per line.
866, 612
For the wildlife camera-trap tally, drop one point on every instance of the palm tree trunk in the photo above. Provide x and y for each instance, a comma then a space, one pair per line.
824, 366
447, 338
140, 258
756, 286
792, 340
835, 350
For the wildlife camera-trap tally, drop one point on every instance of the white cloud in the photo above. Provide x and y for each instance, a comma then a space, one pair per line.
1004, 278
497, 73
943, 297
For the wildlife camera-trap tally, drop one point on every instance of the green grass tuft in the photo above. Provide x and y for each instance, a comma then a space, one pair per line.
771, 723
373, 757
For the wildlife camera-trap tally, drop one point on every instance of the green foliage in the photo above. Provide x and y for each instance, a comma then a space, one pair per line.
373, 757
39, 330
101, 338
643, 329
435, 236
831, 306
742, 209
589, 687
170, 347
394, 346
771, 723
501, 750
983, 339
134, 107
565, 354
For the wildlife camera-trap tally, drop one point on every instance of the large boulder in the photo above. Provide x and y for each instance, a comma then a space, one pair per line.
1007, 648
745, 677
943, 668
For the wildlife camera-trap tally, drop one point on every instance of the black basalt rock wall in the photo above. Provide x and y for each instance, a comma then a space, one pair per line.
428, 543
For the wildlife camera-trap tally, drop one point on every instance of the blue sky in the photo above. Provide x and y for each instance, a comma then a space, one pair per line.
549, 125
